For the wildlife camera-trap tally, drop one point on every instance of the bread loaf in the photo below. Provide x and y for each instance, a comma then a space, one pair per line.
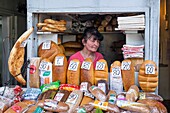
98, 93
74, 100
60, 68
133, 106
49, 50
101, 71
132, 93
73, 72
72, 44
155, 106
151, 96
128, 74
115, 82
34, 78
54, 106
16, 57
62, 95
148, 76
111, 97
87, 71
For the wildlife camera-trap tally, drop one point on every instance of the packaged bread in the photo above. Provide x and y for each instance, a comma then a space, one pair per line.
5, 103
88, 97
49, 94
74, 100
17, 108
105, 106
111, 97
155, 106
128, 74
34, 78
98, 93
87, 71
62, 95
54, 106
59, 68
45, 71
148, 76
133, 106
115, 82
102, 84
85, 108
73, 72
151, 96
101, 71
132, 93
48, 49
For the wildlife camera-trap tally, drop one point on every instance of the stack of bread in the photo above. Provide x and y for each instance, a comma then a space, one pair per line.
72, 47
51, 25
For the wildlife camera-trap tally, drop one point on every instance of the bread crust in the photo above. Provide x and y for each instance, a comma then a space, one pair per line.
16, 57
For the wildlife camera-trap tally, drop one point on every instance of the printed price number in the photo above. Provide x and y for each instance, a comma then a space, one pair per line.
149, 69
23, 44
46, 45
59, 61
116, 71
43, 66
100, 66
73, 66
126, 65
86, 65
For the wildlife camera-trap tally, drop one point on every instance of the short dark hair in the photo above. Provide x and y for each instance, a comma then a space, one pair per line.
89, 31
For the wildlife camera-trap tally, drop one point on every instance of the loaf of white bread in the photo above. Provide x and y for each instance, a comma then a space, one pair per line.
128, 74
101, 71
148, 76
87, 71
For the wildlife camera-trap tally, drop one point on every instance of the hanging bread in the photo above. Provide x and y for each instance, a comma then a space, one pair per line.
148, 76
101, 71
87, 71
73, 72
128, 74
49, 50
59, 68
16, 57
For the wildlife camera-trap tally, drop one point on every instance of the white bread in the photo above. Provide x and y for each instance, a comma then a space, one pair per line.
59, 68
128, 74
87, 75
148, 76
73, 72
101, 74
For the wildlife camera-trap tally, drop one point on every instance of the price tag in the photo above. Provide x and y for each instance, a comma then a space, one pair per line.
86, 65
149, 69
125, 65
23, 44
83, 86
100, 66
59, 61
46, 45
43, 66
116, 72
73, 66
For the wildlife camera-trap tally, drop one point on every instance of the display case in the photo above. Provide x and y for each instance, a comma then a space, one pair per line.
38, 10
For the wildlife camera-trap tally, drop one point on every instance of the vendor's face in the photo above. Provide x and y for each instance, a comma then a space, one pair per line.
92, 44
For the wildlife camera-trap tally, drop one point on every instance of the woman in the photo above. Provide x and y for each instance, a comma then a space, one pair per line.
91, 41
